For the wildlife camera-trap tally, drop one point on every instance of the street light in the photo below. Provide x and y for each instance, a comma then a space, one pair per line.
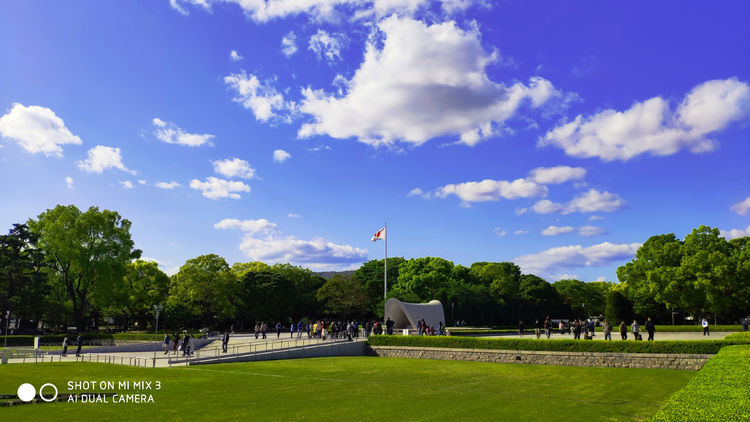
7, 323
158, 309
453, 320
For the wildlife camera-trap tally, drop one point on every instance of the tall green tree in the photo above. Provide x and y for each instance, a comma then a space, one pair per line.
618, 308
265, 296
305, 285
343, 297
85, 252
370, 275
538, 298
23, 281
208, 287
146, 285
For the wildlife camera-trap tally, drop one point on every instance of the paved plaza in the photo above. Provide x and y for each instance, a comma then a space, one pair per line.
616, 335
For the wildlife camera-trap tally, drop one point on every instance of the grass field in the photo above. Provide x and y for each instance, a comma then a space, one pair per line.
357, 388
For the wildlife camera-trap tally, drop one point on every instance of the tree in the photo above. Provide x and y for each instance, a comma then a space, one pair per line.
582, 298
618, 308
23, 282
265, 295
370, 275
208, 286
305, 284
538, 298
85, 252
146, 285
343, 297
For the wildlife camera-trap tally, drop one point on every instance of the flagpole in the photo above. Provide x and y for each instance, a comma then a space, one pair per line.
385, 271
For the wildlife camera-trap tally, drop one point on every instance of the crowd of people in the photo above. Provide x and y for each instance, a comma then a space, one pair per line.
587, 328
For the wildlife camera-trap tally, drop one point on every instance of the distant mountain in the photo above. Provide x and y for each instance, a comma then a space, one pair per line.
329, 274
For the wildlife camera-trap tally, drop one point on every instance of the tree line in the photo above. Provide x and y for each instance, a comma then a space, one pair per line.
71, 267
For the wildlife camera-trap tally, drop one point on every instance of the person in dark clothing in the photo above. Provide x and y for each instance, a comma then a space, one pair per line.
650, 329
185, 341
623, 330
520, 328
278, 329
66, 340
389, 326
79, 343
537, 328
225, 342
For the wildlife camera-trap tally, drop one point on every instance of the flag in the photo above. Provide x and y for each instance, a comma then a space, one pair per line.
380, 234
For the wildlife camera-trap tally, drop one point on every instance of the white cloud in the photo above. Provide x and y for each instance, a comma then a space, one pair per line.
591, 201
652, 127
425, 82
260, 225
126, 184
141, 182
564, 258
178, 5
319, 148
69, 182
602, 278
492, 190
499, 231
419, 192
590, 231
216, 188
261, 242
596, 218
36, 129
101, 158
742, 207
169, 132
167, 185
735, 233
262, 99
557, 230
292, 215
289, 44
234, 167
557, 174
326, 46
279, 156
235, 56
517, 232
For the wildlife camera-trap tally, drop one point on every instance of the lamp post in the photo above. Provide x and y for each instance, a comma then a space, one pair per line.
453, 320
7, 324
158, 309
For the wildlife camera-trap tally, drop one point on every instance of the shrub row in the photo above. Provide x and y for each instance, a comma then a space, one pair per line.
28, 340
563, 345
719, 392
659, 328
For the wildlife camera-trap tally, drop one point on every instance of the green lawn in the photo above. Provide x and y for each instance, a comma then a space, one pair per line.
358, 388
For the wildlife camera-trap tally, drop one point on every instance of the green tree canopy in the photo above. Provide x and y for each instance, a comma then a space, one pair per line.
207, 286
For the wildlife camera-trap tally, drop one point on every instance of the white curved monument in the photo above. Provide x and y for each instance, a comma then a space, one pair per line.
406, 315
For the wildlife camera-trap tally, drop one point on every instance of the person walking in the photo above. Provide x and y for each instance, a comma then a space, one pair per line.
176, 342
300, 326
292, 327
607, 329
623, 330
521, 326
636, 329
389, 326
165, 345
185, 342
225, 342
704, 323
561, 327
66, 340
650, 328
547, 327
191, 345
263, 329
79, 344
537, 328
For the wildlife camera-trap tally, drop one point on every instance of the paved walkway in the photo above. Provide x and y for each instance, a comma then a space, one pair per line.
616, 336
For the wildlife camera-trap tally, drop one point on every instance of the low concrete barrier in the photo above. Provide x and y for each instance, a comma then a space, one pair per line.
616, 360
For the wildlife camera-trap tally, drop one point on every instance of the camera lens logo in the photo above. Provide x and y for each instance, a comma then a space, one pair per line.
27, 392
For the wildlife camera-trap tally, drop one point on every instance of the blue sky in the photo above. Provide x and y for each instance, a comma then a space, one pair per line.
556, 135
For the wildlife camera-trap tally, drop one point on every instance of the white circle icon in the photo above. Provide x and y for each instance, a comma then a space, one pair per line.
45, 398
26, 392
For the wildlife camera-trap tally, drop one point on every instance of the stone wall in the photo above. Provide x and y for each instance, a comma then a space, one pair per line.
615, 360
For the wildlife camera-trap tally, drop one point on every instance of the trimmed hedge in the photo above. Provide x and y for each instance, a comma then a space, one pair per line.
719, 392
739, 337
455, 332
28, 340
563, 345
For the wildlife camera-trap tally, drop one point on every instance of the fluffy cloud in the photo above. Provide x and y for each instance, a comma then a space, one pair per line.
289, 44
326, 46
234, 167
165, 185
591, 201
328, 10
262, 99
279, 156
126, 184
558, 174
69, 182
735, 233
261, 242
557, 230
743, 207
492, 190
216, 188
517, 232
293, 215
260, 225
235, 56
425, 82
36, 129
596, 218
652, 127
101, 158
590, 231
499, 231
564, 258
169, 132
